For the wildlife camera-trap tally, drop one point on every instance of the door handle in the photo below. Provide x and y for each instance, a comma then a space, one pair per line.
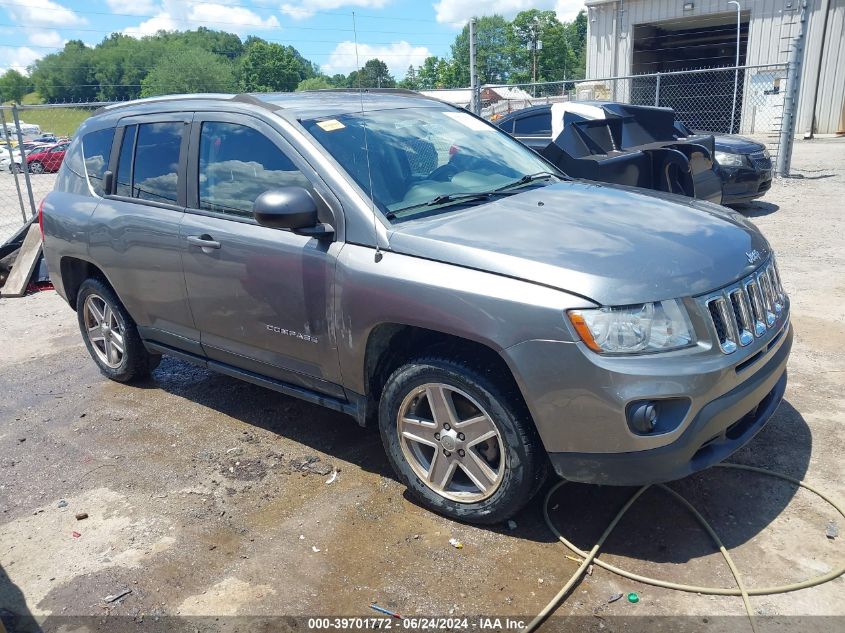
203, 241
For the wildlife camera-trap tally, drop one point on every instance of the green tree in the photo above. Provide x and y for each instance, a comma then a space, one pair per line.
67, 75
221, 43
494, 51
269, 67
447, 74
314, 83
13, 86
427, 73
410, 82
532, 29
374, 74
576, 35
189, 70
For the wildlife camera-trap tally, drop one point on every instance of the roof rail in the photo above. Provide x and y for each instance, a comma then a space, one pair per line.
388, 91
133, 102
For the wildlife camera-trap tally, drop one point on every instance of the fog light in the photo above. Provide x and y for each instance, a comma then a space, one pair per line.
642, 417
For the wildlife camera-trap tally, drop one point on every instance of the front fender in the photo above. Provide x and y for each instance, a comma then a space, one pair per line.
486, 308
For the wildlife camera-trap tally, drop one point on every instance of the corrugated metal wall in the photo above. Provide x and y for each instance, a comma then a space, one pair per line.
831, 94
773, 24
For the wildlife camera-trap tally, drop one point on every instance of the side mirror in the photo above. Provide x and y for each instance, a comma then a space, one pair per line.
291, 208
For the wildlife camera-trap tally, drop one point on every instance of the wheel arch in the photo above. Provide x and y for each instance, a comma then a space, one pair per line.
74, 271
389, 345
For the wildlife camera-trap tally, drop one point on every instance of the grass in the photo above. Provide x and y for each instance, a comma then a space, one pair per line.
60, 121
33, 98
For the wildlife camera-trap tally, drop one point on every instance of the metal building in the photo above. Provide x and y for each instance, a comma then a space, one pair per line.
633, 37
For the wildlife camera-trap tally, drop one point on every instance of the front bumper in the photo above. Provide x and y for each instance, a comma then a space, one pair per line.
744, 184
578, 401
718, 430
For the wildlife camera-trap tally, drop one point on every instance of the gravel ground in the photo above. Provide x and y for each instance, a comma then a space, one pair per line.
204, 497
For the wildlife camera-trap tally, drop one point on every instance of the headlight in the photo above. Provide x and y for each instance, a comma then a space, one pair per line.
729, 160
650, 327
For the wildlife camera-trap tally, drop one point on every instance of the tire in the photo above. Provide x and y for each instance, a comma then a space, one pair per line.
521, 465
14, 168
117, 349
35, 167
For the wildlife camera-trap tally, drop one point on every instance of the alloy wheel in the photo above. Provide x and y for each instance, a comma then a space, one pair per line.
104, 331
451, 443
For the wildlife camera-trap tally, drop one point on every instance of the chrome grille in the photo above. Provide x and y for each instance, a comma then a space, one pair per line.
760, 160
746, 310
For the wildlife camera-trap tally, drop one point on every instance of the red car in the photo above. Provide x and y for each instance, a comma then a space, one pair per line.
47, 159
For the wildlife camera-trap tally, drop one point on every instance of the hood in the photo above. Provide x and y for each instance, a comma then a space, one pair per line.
737, 144
615, 245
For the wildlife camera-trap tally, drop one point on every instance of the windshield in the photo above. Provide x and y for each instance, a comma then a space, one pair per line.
421, 158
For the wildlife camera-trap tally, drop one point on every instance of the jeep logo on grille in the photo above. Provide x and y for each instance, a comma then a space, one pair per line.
753, 256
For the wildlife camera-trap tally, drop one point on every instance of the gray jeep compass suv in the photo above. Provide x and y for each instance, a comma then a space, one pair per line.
403, 261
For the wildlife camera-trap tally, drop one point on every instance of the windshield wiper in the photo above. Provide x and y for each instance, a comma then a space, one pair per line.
540, 175
448, 198
468, 196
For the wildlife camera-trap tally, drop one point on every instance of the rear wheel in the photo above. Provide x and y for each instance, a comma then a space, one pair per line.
111, 335
36, 167
460, 440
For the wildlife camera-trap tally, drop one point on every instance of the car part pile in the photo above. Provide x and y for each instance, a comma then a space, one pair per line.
22, 266
637, 146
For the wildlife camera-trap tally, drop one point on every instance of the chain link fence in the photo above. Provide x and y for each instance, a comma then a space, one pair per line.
703, 99
32, 142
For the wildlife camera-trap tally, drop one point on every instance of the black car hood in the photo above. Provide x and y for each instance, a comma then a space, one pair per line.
612, 244
737, 144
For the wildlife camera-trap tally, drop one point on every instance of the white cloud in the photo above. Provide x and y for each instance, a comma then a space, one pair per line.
175, 16
46, 38
43, 13
232, 18
132, 7
306, 8
161, 22
398, 56
567, 9
457, 12
19, 59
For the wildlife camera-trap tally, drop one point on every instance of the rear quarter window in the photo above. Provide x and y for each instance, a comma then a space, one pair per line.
534, 124
96, 149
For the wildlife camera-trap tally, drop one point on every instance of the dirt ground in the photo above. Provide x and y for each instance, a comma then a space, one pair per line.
204, 497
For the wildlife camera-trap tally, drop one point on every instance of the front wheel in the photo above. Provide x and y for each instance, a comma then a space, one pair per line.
460, 440
35, 167
111, 335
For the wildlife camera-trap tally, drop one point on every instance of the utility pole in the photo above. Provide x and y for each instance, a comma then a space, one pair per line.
736, 69
790, 100
534, 45
475, 100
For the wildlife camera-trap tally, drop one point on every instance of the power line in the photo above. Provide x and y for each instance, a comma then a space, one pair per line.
229, 23
108, 31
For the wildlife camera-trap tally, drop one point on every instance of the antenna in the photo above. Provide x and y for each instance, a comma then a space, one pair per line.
378, 255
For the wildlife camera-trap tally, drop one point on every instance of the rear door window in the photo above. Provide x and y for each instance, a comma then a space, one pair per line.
534, 125
96, 148
149, 162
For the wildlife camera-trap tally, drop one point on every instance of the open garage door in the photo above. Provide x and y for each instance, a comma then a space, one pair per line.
704, 100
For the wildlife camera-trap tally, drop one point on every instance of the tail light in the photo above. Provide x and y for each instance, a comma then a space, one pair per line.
41, 218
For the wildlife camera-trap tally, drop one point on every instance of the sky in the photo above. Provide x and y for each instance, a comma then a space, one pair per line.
399, 32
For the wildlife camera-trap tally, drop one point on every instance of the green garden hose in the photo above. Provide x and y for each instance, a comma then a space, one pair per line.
740, 590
